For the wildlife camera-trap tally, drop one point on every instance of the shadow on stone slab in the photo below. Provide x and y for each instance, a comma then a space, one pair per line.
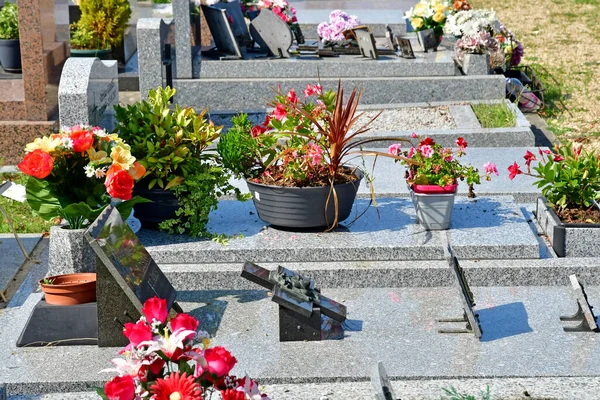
215, 303
504, 321
353, 325
482, 213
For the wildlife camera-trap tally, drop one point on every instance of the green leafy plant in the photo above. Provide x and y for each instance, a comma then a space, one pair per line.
102, 24
9, 21
173, 146
453, 394
569, 179
498, 115
47, 281
162, 2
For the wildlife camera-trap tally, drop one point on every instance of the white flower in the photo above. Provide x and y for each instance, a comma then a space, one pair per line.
90, 171
100, 172
67, 142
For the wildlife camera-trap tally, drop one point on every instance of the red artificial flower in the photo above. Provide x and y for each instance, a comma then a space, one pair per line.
119, 184
460, 142
219, 361
529, 157
558, 158
291, 96
137, 333
82, 139
280, 112
155, 308
185, 321
267, 121
176, 386
233, 394
120, 388
257, 130
514, 171
38, 164
155, 369
427, 142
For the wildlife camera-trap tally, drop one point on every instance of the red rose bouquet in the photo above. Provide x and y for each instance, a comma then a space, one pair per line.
75, 173
170, 359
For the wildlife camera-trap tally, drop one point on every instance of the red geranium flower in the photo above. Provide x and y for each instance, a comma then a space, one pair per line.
280, 112
155, 308
120, 388
427, 142
176, 386
82, 139
119, 184
185, 321
38, 164
137, 333
291, 96
514, 171
460, 142
219, 361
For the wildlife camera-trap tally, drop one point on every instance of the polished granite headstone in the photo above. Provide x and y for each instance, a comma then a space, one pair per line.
272, 33
469, 318
238, 25
88, 92
127, 276
304, 313
584, 315
220, 29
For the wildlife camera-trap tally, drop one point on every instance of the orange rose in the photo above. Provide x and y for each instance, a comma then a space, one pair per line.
82, 140
119, 184
38, 164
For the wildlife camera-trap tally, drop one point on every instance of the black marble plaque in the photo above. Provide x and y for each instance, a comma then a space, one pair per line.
220, 29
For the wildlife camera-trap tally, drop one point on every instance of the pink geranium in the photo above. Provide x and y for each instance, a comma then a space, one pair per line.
427, 151
394, 149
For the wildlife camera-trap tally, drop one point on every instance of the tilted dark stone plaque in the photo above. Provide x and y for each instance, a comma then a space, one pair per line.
304, 313
381, 384
238, 27
127, 276
405, 48
470, 319
584, 315
366, 43
225, 41
271, 33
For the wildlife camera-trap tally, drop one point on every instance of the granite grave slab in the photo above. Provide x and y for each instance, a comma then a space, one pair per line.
87, 92
12, 255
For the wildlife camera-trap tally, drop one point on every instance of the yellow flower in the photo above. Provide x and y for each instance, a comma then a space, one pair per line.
439, 16
439, 8
417, 23
420, 9
122, 157
98, 156
45, 143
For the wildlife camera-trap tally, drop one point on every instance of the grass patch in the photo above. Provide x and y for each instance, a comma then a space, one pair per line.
497, 115
21, 214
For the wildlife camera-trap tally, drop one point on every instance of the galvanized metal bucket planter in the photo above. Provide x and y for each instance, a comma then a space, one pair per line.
568, 240
303, 207
433, 205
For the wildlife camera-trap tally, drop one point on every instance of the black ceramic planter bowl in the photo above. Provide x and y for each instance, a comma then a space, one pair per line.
163, 207
10, 54
294, 207
568, 240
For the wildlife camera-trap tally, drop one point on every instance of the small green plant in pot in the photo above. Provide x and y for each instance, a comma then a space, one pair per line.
183, 176
100, 28
10, 45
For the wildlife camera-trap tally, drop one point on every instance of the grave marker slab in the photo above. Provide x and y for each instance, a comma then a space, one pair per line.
271, 33
238, 27
87, 92
405, 47
220, 29
469, 317
126, 276
366, 43
304, 313
584, 315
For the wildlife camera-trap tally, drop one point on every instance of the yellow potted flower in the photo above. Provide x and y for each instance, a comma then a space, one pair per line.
428, 18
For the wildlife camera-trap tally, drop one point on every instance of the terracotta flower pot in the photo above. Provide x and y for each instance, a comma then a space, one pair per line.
70, 289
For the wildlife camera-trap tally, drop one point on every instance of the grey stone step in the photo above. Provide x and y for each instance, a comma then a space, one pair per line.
389, 176
522, 338
581, 388
488, 228
397, 274
250, 93
438, 63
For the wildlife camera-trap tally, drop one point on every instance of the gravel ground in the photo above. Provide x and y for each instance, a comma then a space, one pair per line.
407, 119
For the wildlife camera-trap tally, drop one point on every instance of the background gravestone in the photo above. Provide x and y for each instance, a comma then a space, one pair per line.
271, 33
220, 29
87, 92
127, 276
239, 27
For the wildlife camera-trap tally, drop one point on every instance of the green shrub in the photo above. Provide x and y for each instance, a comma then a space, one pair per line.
102, 24
9, 21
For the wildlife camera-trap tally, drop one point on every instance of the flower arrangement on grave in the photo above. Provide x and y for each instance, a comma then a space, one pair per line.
173, 146
569, 180
74, 174
470, 23
429, 14
481, 43
281, 8
101, 26
303, 143
169, 358
429, 163
339, 22
461, 5
512, 48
